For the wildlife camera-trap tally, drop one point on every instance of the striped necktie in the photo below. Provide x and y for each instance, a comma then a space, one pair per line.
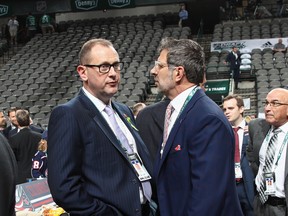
269, 158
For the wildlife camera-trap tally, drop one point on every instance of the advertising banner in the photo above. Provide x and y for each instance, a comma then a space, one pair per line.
90, 5
247, 44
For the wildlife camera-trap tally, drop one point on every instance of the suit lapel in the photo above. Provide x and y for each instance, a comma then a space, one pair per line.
101, 122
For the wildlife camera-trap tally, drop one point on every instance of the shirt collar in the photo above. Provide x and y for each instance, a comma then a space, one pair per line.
284, 128
179, 100
98, 103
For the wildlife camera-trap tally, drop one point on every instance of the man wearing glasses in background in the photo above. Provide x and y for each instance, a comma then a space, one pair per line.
98, 164
267, 153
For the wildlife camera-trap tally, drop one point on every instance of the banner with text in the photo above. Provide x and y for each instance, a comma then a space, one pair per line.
247, 44
217, 87
90, 5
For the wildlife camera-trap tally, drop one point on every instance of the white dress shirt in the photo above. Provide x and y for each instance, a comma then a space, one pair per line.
177, 104
280, 169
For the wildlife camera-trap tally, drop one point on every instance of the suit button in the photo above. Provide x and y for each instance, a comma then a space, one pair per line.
134, 181
137, 212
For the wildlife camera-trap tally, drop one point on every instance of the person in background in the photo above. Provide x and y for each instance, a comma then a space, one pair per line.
39, 160
31, 26
279, 47
183, 16
3, 122
24, 145
233, 107
137, 108
13, 122
98, 164
8, 170
46, 24
267, 154
194, 170
32, 126
13, 25
233, 58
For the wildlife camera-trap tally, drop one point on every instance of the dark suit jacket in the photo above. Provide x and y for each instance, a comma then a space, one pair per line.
150, 122
195, 175
25, 145
258, 128
88, 171
6, 131
8, 170
35, 128
248, 176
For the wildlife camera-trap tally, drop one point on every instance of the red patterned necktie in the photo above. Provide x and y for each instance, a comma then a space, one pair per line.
237, 149
168, 114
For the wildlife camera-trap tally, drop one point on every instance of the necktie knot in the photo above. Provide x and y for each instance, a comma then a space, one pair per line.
169, 110
236, 129
109, 110
276, 131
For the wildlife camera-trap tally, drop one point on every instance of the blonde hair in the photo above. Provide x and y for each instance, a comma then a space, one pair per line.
42, 146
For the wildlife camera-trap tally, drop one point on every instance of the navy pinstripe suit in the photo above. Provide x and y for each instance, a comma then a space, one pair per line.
88, 171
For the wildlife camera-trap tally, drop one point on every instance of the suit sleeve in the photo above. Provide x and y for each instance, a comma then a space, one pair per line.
250, 149
65, 150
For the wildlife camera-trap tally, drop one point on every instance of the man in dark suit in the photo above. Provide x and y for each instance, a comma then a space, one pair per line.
233, 58
8, 170
233, 107
270, 166
195, 167
150, 122
25, 145
91, 171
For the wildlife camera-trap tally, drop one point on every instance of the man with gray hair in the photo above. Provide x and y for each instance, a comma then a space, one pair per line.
194, 170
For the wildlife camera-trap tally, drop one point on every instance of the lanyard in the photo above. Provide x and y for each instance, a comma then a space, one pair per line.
191, 94
281, 148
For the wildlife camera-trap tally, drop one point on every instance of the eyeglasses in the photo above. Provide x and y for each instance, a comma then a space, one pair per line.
105, 68
159, 65
273, 103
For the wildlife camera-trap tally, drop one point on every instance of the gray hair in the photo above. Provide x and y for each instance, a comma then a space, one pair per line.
186, 53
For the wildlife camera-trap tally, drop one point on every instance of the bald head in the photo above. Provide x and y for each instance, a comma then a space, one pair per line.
276, 110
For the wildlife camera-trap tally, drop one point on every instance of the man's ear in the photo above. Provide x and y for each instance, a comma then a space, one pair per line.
82, 72
179, 73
